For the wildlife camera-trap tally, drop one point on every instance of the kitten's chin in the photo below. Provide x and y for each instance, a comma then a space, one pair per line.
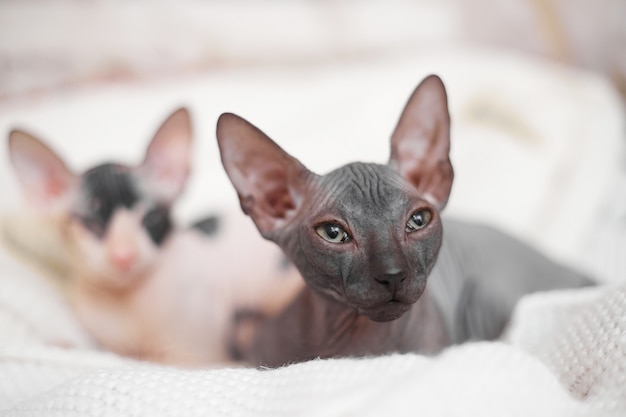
391, 310
116, 282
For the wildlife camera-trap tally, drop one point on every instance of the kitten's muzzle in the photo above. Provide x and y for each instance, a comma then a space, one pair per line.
397, 292
392, 280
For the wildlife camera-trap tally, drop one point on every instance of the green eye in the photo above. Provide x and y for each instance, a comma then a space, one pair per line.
332, 233
418, 220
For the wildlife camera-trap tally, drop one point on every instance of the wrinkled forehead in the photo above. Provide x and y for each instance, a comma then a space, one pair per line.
362, 189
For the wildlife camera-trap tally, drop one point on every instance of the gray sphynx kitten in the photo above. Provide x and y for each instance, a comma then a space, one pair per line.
367, 238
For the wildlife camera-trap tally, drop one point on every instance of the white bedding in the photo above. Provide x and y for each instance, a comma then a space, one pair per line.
566, 357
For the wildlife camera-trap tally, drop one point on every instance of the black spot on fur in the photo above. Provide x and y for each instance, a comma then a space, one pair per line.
110, 186
209, 226
107, 187
158, 224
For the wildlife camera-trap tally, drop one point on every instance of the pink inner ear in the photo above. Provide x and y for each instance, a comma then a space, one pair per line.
270, 183
53, 187
167, 165
49, 193
420, 144
434, 183
44, 177
172, 167
265, 194
278, 201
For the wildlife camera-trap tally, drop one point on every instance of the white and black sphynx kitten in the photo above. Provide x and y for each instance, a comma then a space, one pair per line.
140, 286
367, 238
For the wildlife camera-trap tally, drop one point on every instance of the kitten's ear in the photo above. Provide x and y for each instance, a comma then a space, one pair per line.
168, 158
45, 179
420, 144
269, 182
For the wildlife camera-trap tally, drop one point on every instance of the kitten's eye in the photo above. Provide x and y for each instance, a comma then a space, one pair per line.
96, 227
152, 217
95, 204
157, 223
332, 232
93, 224
418, 220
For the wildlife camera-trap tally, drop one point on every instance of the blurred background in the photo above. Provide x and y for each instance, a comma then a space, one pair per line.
52, 45
536, 90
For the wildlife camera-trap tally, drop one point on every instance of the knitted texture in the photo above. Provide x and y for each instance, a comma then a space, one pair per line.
581, 337
483, 378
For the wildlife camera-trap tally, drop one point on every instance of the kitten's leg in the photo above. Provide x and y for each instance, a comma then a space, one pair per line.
245, 326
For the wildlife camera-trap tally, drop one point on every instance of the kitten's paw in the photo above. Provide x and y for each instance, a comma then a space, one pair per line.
245, 326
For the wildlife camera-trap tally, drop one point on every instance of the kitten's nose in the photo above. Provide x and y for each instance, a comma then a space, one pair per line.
121, 242
123, 258
391, 278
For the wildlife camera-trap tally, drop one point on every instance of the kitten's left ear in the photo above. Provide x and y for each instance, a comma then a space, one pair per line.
46, 181
420, 144
168, 158
270, 183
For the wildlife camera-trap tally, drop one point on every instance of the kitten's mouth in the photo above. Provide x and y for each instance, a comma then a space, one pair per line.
123, 280
391, 308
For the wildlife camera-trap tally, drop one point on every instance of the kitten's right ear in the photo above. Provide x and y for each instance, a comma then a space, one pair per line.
167, 163
420, 144
45, 179
269, 182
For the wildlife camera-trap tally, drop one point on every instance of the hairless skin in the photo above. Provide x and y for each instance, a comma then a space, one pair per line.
139, 285
368, 237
